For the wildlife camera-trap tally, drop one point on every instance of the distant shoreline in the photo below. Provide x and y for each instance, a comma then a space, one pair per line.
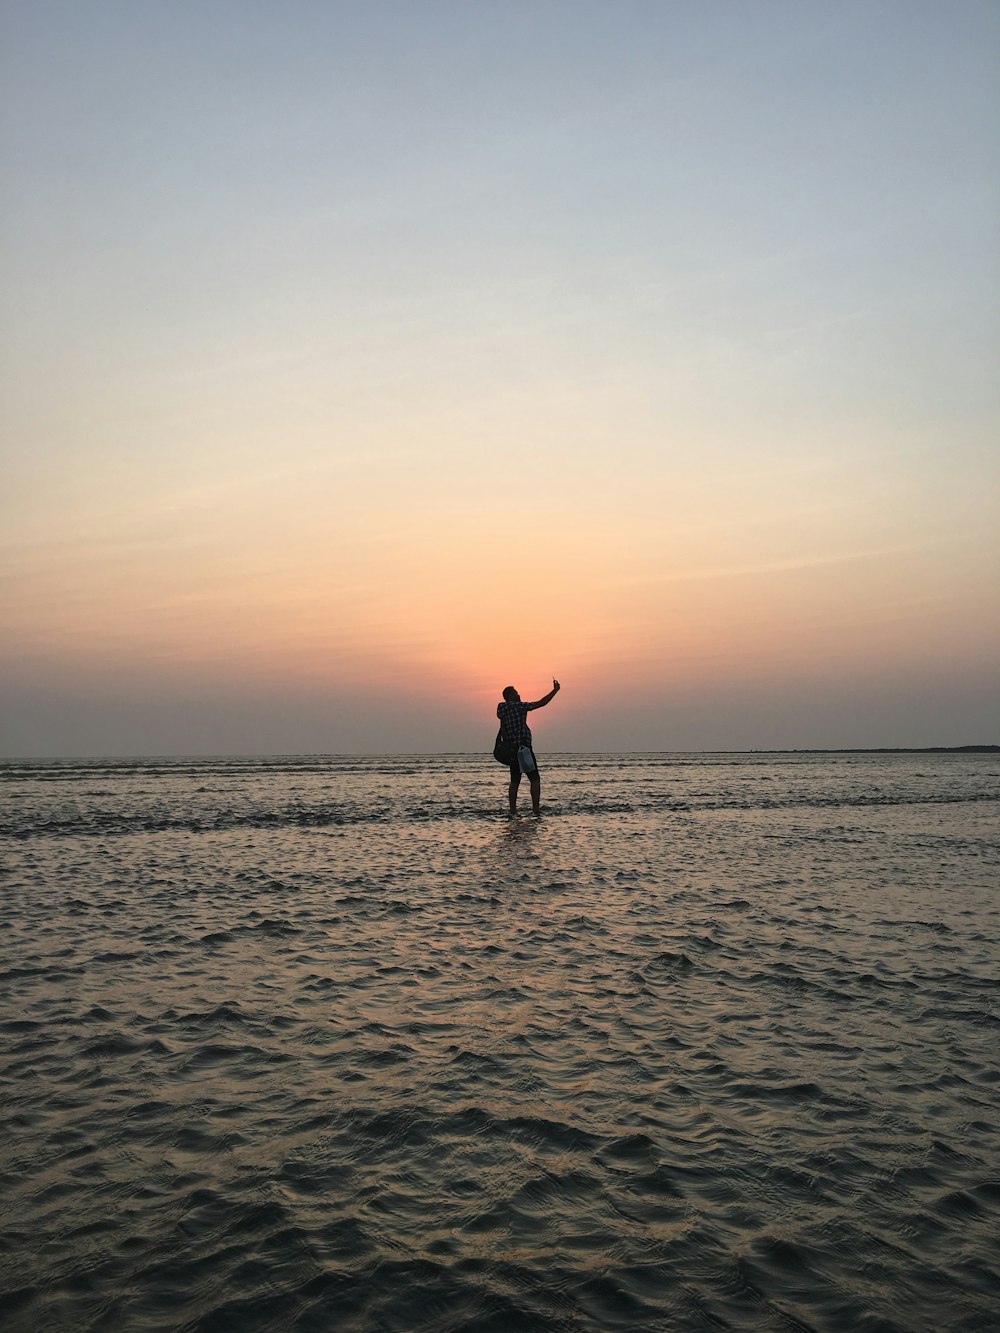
879, 749
397, 754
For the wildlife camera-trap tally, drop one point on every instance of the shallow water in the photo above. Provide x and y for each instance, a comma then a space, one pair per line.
314, 1044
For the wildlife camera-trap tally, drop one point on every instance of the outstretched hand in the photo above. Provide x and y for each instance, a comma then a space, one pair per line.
555, 684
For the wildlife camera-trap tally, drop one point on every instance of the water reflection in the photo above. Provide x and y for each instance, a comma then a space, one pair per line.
516, 845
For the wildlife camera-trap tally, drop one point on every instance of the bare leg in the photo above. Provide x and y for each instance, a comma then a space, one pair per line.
536, 792
512, 793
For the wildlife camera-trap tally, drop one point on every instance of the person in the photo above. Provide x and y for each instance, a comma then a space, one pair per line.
513, 715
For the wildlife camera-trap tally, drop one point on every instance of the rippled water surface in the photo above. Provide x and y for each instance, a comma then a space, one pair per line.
319, 1044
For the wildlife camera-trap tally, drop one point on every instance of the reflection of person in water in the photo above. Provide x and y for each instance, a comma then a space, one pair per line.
513, 715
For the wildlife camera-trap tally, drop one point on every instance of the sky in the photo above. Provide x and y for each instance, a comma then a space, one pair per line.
360, 359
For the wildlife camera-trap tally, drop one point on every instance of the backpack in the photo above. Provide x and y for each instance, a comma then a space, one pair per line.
504, 752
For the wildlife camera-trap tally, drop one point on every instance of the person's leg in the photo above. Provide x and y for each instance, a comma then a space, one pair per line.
515, 782
536, 792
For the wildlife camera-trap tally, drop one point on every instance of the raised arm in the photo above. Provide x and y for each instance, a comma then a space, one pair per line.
546, 698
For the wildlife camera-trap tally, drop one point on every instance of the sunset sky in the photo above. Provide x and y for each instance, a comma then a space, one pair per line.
359, 359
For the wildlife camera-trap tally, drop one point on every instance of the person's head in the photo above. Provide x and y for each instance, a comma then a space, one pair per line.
511, 695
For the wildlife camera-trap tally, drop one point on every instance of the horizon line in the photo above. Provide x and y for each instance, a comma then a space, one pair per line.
980, 748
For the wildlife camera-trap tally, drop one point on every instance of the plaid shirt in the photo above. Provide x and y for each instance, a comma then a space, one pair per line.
514, 722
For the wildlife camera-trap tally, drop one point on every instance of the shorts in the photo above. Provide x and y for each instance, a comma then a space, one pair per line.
515, 768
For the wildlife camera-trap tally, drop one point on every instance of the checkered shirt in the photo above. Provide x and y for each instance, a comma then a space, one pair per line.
514, 722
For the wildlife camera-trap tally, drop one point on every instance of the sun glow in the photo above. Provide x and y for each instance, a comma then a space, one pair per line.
464, 381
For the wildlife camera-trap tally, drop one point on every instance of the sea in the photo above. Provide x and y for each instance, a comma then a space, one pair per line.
330, 1043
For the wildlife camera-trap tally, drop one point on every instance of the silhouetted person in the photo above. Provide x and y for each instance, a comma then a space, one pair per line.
513, 715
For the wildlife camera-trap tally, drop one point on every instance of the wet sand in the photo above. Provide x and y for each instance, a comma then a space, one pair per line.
335, 1044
